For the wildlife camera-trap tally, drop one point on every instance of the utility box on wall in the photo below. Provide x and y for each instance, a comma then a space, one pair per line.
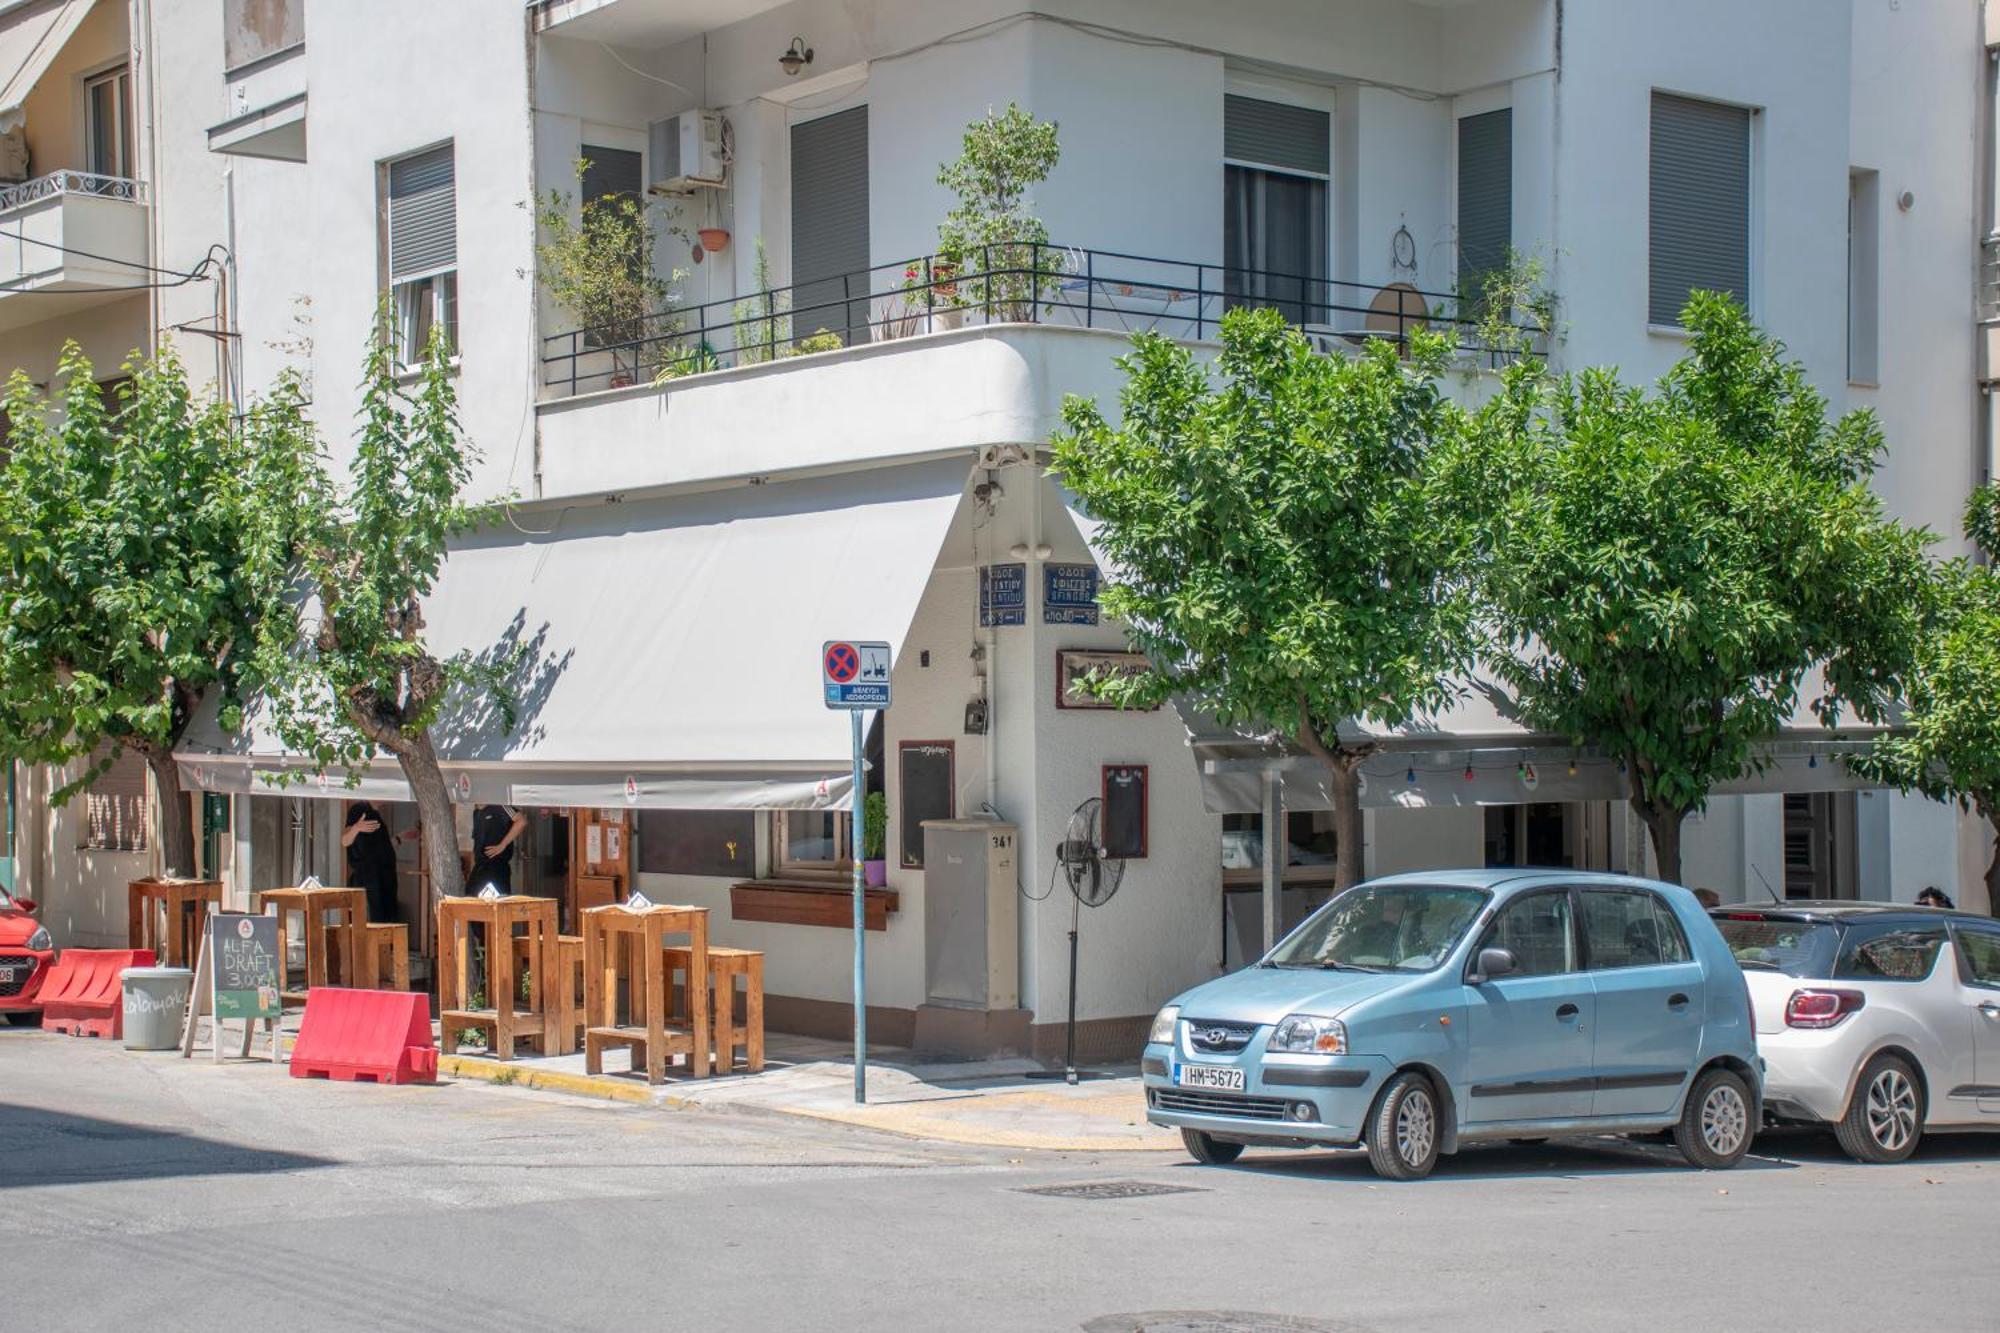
972, 957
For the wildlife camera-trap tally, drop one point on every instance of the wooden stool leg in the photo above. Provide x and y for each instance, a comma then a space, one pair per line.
721, 1015
500, 981
656, 1035
753, 1016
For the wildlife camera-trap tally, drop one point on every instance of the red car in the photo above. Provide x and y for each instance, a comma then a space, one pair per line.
26, 954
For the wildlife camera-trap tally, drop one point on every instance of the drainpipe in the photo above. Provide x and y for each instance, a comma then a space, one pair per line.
1277, 850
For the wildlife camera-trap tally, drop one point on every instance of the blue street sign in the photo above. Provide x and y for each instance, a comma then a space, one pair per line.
1069, 594
1003, 595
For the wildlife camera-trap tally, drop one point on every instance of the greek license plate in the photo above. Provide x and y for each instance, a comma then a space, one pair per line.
1209, 1076
6, 974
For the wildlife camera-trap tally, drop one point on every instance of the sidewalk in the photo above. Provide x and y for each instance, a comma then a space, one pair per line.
991, 1104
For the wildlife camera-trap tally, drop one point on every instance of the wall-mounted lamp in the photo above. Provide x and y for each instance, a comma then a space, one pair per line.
797, 56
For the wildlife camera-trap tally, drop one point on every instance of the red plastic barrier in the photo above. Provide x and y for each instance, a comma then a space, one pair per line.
382, 1036
81, 994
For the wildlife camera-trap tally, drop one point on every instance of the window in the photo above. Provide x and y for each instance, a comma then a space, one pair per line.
421, 238
611, 172
1900, 952
107, 120
811, 842
830, 282
1485, 198
1630, 930
1864, 244
1778, 944
1405, 928
115, 807
1538, 931
1979, 956
698, 842
1699, 216
1309, 854
1276, 162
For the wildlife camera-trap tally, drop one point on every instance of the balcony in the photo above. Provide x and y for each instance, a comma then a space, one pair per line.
908, 361
70, 232
264, 73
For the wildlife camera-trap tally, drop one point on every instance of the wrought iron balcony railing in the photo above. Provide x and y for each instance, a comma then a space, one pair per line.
1026, 283
71, 182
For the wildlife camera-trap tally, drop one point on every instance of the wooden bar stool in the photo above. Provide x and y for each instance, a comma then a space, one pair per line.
633, 936
381, 955
506, 1018
563, 990
312, 906
724, 966
169, 916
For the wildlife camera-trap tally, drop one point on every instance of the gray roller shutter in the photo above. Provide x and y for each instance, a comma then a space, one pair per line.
1485, 194
423, 214
830, 225
609, 172
1275, 134
1700, 211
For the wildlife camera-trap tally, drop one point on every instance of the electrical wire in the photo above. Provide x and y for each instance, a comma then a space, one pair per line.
105, 259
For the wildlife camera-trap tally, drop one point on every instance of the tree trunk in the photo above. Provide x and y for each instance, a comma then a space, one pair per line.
1993, 871
176, 825
1345, 785
1665, 827
426, 779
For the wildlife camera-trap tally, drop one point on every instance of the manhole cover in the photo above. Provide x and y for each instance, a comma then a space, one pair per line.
1215, 1321
1111, 1189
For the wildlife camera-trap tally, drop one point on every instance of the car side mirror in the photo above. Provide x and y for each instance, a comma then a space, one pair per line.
1493, 963
28, 905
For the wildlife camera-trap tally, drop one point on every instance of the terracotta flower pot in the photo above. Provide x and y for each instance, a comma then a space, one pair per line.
714, 239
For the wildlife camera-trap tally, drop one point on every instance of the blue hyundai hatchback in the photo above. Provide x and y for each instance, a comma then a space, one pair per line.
1419, 1013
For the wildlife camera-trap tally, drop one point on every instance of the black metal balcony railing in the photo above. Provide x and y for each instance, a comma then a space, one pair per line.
1032, 284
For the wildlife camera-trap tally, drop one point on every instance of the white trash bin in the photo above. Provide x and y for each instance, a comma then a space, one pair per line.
156, 1001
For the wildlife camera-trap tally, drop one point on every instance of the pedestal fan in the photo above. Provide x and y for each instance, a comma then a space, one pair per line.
1092, 876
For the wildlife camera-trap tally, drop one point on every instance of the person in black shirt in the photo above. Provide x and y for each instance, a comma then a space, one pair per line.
371, 859
494, 829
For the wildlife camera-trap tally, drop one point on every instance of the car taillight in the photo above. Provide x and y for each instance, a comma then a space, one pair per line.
1821, 1008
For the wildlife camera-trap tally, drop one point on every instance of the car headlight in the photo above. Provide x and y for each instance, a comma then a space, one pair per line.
1163, 1026
1309, 1035
41, 939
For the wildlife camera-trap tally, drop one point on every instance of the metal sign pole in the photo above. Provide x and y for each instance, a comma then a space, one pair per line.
860, 925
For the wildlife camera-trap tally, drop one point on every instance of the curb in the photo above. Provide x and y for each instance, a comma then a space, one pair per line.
503, 1074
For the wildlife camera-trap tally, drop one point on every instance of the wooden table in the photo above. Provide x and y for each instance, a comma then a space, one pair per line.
635, 937
508, 1022
315, 904
168, 916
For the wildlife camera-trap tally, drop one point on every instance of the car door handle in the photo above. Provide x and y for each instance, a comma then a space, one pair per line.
1567, 1011
1990, 1009
1677, 1001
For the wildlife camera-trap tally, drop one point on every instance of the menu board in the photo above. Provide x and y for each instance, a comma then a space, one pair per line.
244, 954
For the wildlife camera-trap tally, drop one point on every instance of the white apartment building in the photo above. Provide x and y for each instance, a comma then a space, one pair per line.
677, 551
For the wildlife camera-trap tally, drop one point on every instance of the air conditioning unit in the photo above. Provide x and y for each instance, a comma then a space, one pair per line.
688, 153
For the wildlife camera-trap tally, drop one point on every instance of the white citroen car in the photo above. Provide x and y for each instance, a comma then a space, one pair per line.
1878, 1020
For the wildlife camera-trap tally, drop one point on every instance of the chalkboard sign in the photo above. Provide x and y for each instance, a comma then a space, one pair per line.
1124, 818
925, 768
244, 952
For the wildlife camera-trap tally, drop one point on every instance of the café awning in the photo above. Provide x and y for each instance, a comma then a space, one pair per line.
662, 653
28, 47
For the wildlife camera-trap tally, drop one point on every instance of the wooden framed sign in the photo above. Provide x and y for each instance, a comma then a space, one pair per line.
237, 976
1124, 820
1073, 664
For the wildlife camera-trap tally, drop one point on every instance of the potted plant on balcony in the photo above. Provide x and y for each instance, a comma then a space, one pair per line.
596, 261
990, 237
874, 839
763, 321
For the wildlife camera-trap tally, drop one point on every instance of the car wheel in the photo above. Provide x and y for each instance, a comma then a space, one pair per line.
1714, 1129
23, 1018
1403, 1133
1885, 1119
1209, 1150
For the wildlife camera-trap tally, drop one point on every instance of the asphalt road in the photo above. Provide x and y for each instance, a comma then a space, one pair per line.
141, 1192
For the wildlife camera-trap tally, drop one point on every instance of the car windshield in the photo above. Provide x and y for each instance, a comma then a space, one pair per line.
1383, 928
1798, 948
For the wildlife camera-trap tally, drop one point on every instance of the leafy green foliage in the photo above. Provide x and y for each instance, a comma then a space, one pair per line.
763, 322
874, 825
1948, 746
130, 545
1278, 546
1666, 569
990, 231
342, 652
597, 261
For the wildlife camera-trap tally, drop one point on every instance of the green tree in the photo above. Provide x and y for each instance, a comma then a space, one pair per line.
130, 546
1666, 569
1276, 546
1948, 746
342, 652
596, 260
1004, 155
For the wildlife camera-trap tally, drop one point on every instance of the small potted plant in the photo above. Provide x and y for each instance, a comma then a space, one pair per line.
874, 837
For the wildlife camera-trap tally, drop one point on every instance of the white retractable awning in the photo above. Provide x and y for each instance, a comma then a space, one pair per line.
28, 46
663, 653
